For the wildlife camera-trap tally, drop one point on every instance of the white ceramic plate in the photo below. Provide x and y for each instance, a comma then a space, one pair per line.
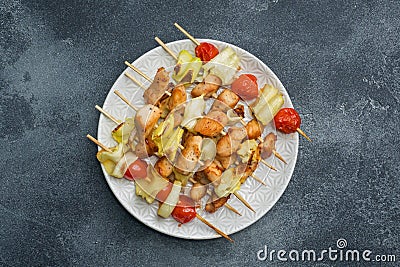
261, 198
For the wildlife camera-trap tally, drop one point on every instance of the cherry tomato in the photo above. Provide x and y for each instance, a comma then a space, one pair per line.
206, 51
137, 170
163, 194
287, 120
184, 210
245, 86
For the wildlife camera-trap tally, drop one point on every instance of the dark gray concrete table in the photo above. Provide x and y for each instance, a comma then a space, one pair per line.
339, 60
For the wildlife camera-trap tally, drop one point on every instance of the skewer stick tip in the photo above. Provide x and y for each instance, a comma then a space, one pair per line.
108, 115
303, 134
169, 51
268, 165
232, 209
123, 98
214, 228
258, 179
244, 201
94, 140
188, 35
279, 156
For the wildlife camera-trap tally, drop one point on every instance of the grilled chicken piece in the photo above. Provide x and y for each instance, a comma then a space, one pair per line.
212, 124
190, 155
157, 88
198, 191
226, 100
178, 96
253, 129
164, 167
214, 203
145, 120
201, 177
268, 145
239, 110
145, 148
209, 86
178, 115
214, 171
186, 136
230, 143
227, 161
246, 169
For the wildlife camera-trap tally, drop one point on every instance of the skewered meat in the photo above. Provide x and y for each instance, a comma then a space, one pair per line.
178, 115
226, 100
209, 86
253, 129
213, 172
201, 177
198, 191
157, 88
239, 110
227, 161
145, 120
230, 143
178, 96
145, 148
212, 124
194, 110
164, 167
190, 155
246, 169
215, 202
268, 145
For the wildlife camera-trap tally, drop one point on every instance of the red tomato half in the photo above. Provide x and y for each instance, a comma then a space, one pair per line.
287, 120
137, 170
184, 211
245, 86
206, 51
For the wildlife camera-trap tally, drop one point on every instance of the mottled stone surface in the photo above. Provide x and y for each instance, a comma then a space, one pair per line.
339, 60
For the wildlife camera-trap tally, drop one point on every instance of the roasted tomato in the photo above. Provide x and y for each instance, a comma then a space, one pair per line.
245, 86
287, 120
184, 210
206, 51
137, 170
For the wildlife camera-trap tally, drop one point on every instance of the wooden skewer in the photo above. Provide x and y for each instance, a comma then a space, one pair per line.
118, 93
133, 79
166, 48
243, 201
268, 165
226, 203
232, 209
214, 228
123, 98
254, 176
94, 140
279, 156
303, 134
258, 179
187, 34
137, 71
108, 115
141, 85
